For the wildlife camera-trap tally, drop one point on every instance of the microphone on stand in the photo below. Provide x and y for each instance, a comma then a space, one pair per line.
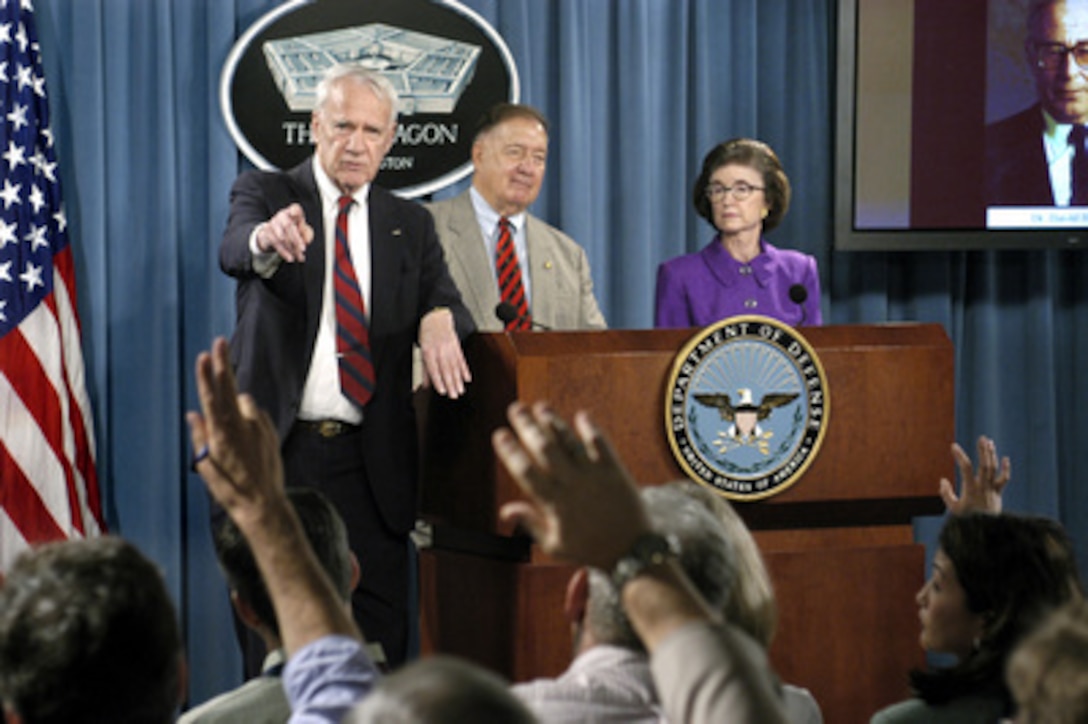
799, 295
507, 313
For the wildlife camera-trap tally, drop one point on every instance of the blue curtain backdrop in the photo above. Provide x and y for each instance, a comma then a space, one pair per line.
638, 91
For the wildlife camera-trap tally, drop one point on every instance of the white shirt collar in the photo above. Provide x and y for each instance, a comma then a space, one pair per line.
330, 193
488, 217
1056, 138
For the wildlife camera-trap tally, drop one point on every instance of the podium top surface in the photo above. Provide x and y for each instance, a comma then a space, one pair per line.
536, 343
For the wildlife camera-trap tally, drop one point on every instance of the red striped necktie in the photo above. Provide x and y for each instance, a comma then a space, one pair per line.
508, 271
352, 333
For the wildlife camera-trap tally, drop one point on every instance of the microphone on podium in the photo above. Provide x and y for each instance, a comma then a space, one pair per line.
507, 313
799, 295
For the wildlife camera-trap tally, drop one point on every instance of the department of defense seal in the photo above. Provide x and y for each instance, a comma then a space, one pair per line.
746, 407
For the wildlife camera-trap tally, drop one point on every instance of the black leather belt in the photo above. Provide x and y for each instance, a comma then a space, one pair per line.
327, 428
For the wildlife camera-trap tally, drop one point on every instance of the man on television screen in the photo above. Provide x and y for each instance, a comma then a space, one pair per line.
1038, 157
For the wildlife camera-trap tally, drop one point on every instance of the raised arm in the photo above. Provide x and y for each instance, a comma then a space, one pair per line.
583, 505
240, 462
981, 489
265, 227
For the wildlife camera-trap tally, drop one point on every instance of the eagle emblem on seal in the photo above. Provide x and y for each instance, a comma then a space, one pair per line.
745, 416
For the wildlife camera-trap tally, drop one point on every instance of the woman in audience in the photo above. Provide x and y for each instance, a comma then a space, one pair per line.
994, 578
743, 193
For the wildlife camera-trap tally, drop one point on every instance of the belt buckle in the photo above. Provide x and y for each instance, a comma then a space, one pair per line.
330, 428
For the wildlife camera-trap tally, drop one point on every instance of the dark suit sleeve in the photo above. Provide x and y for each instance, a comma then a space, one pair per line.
1016, 170
409, 279
248, 208
276, 322
254, 199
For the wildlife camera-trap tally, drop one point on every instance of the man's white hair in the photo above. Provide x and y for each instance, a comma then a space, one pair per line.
350, 73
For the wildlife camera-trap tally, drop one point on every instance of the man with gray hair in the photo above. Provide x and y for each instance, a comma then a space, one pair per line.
610, 677
262, 700
441, 690
337, 278
581, 504
513, 269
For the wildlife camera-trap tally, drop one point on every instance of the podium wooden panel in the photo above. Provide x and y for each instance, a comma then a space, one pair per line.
838, 543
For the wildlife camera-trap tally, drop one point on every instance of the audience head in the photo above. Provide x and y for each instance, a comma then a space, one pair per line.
745, 153
88, 633
327, 535
440, 690
353, 124
705, 555
1048, 672
1060, 553
994, 577
509, 155
1054, 28
751, 606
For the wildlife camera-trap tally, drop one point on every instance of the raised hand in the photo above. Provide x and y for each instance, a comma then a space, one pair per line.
980, 491
582, 504
239, 450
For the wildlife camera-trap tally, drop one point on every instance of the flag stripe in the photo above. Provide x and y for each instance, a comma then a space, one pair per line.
80, 419
40, 376
33, 456
48, 483
29, 516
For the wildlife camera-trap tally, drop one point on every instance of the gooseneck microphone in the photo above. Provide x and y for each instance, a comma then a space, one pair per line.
507, 313
798, 295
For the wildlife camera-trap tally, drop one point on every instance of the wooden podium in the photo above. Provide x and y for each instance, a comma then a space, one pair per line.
839, 542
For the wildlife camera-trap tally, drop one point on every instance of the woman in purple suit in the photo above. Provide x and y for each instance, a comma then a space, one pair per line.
743, 192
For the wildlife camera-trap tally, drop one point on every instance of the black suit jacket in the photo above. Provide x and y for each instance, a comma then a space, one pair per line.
277, 319
1016, 170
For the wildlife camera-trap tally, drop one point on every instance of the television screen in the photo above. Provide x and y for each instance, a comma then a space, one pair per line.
954, 125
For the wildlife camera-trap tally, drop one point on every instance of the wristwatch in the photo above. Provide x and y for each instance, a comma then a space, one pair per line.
650, 549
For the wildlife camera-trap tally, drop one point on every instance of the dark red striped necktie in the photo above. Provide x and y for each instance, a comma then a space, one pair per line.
352, 333
508, 271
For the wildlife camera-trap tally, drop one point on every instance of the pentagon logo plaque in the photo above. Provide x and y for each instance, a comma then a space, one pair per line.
446, 62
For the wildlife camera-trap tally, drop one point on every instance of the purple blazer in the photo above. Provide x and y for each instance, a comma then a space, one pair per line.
699, 289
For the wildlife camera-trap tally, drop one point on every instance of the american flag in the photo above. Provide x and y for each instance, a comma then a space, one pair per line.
48, 484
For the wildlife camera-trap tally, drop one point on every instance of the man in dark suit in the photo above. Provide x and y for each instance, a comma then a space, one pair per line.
1030, 155
282, 244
